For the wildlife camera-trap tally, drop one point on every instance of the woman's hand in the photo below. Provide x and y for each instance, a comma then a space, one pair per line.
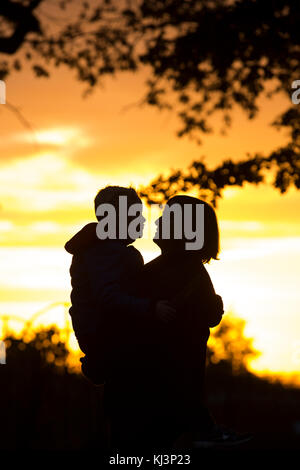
164, 311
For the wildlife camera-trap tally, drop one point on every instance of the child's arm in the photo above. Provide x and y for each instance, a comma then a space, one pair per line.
105, 280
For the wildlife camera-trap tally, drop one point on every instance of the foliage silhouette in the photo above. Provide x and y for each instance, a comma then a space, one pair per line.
46, 407
228, 344
44, 346
204, 57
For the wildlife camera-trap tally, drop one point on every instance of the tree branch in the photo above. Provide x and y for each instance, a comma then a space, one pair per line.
25, 22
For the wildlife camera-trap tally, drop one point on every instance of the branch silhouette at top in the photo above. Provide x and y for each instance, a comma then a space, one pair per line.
203, 57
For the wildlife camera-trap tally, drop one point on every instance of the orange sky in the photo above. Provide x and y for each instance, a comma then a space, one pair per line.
48, 179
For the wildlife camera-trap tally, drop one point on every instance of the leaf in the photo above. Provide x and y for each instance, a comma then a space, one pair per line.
40, 71
17, 65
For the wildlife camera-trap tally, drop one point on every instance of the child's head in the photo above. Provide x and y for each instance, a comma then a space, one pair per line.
112, 195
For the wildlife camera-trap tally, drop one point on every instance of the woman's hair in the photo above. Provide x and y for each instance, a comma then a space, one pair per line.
211, 246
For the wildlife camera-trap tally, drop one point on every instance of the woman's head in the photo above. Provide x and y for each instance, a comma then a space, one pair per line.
188, 224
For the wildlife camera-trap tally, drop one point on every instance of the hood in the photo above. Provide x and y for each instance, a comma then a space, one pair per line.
82, 239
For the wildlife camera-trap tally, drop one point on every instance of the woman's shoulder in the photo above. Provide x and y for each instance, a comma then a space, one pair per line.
153, 265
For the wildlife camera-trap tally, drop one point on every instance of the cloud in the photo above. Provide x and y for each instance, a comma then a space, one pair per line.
250, 248
6, 226
242, 225
258, 228
48, 188
54, 136
64, 140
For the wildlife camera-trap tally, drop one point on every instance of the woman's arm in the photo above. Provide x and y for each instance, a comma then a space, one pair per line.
216, 311
199, 297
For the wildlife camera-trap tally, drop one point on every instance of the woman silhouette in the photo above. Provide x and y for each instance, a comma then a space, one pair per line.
180, 344
165, 394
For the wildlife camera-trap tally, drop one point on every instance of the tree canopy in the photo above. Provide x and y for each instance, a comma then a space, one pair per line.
204, 57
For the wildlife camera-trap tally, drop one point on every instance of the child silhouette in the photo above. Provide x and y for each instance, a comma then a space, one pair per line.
103, 306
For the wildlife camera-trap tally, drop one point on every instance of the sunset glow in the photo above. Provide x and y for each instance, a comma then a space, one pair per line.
50, 175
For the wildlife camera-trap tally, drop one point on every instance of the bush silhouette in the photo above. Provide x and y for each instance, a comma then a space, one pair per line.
228, 344
44, 349
46, 406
